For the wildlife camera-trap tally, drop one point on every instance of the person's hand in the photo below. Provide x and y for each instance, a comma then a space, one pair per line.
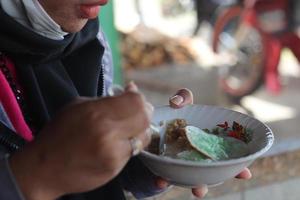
181, 98
85, 146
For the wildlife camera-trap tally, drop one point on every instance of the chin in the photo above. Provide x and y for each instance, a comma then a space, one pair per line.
74, 27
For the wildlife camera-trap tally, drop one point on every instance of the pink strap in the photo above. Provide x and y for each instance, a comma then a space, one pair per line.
12, 108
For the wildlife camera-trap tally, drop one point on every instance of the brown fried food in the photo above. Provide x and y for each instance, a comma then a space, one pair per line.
154, 144
175, 133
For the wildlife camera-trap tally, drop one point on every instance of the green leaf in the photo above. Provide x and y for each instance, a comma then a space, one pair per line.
192, 155
215, 147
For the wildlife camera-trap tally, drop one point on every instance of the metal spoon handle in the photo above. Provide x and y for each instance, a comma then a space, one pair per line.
154, 128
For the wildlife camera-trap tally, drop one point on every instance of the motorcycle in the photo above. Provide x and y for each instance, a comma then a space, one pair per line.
250, 35
207, 10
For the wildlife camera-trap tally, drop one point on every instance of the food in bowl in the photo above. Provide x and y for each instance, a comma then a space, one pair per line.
189, 173
183, 141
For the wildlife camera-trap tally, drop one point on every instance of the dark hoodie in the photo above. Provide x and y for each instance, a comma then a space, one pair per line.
53, 73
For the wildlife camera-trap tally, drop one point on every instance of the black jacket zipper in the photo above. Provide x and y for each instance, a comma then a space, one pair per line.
9, 139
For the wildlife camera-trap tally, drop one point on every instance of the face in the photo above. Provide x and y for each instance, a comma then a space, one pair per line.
72, 15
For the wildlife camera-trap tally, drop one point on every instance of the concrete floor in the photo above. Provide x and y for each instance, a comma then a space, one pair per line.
288, 190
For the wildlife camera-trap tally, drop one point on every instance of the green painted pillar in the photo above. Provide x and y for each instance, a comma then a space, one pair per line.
107, 23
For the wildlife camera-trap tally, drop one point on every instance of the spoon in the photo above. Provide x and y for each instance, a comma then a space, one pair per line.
160, 131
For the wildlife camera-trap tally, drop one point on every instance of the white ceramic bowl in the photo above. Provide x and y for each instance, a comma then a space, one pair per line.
191, 173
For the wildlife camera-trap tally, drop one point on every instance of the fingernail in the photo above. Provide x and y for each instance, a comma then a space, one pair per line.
162, 184
205, 190
115, 89
149, 132
150, 107
149, 110
177, 100
132, 87
200, 192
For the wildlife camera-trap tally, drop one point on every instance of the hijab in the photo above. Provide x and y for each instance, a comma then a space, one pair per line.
31, 14
53, 72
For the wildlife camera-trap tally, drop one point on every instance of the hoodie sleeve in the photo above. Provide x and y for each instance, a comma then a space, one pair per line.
8, 186
139, 180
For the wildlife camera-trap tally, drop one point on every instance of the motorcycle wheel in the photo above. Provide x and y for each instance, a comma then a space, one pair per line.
242, 70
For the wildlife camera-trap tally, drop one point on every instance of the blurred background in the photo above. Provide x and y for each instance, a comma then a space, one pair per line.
241, 55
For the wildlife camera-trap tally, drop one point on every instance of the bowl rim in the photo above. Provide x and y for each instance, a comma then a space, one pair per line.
251, 157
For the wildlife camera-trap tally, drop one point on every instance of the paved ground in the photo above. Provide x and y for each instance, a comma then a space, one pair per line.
287, 190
